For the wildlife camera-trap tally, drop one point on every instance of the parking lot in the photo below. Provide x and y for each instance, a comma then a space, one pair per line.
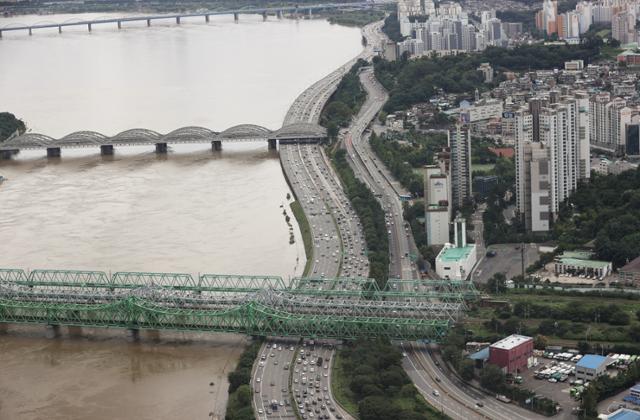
508, 260
558, 391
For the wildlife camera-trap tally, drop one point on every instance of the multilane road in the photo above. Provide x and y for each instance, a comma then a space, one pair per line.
338, 240
439, 389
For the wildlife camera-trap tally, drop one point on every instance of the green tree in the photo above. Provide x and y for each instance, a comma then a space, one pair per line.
467, 369
9, 124
492, 378
497, 283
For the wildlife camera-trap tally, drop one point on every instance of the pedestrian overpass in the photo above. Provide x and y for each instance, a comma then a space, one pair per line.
340, 308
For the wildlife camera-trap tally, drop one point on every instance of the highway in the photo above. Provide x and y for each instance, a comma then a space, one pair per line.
437, 386
338, 243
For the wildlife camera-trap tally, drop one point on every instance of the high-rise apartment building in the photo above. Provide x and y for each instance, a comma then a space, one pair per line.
548, 170
623, 27
608, 118
459, 142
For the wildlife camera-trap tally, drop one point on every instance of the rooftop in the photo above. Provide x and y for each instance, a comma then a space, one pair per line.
480, 355
633, 266
510, 342
454, 254
624, 414
584, 263
591, 361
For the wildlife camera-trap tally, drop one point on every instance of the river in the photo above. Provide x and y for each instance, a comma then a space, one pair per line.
192, 211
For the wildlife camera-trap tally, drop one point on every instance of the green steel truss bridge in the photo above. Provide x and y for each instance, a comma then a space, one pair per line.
340, 308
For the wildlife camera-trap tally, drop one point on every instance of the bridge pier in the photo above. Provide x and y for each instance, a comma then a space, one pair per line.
30, 32
264, 16
279, 14
119, 24
53, 331
310, 14
4, 328
273, 144
0, 34
206, 18
236, 17
216, 145
148, 22
133, 334
178, 20
5, 154
59, 29
89, 27
106, 150
53, 152
161, 148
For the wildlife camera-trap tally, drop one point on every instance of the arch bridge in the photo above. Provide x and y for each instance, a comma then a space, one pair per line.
292, 133
340, 308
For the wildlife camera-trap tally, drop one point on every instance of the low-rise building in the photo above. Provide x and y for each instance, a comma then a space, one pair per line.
456, 261
591, 366
580, 263
630, 273
512, 354
621, 414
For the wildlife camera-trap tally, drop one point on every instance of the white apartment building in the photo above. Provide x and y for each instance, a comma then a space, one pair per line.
483, 109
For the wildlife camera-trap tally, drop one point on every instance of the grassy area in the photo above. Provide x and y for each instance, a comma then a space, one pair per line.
482, 167
609, 52
563, 319
340, 387
605, 33
357, 18
305, 230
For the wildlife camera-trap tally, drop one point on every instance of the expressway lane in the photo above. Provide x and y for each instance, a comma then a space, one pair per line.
338, 241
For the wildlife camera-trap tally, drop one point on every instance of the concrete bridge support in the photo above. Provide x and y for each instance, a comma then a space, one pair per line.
5, 154
206, 18
106, 150
178, 20
264, 16
236, 17
59, 29
89, 27
161, 148
4, 328
30, 32
148, 22
310, 14
279, 14
53, 152
0, 34
133, 334
216, 145
119, 24
53, 331
273, 144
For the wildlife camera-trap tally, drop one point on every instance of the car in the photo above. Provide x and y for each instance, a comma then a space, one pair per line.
435, 393
491, 253
260, 411
269, 412
258, 380
479, 404
273, 383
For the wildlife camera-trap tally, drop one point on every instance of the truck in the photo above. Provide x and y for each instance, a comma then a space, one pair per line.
503, 399
319, 361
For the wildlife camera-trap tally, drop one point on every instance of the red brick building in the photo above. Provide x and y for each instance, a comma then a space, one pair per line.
512, 353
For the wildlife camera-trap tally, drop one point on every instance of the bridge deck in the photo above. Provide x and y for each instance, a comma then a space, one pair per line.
257, 305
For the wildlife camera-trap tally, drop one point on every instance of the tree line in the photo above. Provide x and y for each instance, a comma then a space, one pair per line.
239, 406
9, 124
381, 388
415, 81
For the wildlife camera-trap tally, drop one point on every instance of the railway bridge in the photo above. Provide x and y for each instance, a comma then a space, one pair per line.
338, 308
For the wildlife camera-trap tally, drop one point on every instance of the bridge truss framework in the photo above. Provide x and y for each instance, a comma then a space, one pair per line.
342, 308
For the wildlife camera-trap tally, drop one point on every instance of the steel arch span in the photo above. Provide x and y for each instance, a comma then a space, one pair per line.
191, 134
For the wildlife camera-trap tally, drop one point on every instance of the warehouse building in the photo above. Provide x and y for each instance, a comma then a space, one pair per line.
512, 354
591, 366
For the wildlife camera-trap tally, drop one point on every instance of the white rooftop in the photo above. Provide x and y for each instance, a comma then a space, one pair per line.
510, 342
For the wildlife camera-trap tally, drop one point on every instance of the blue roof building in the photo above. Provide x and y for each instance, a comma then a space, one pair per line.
591, 366
624, 414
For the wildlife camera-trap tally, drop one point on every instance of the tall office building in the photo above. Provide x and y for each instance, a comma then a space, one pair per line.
437, 204
459, 142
